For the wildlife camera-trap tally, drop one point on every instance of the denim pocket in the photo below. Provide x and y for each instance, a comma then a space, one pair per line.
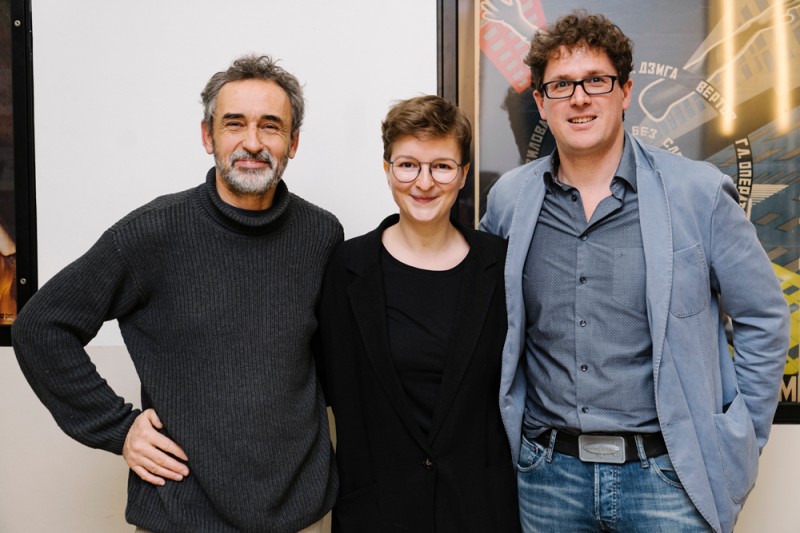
662, 466
531, 456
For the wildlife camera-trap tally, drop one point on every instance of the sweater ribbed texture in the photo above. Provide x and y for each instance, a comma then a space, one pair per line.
217, 312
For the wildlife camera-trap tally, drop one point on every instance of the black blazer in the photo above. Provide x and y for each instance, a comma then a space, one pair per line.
459, 477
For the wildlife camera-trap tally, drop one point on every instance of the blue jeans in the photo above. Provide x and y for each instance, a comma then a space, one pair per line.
561, 493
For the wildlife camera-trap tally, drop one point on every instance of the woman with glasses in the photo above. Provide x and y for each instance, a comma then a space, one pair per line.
413, 322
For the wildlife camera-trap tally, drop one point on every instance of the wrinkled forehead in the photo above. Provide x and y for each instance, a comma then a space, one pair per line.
254, 95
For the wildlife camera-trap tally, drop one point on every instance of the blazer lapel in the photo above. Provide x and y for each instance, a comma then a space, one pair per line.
527, 205
526, 212
656, 225
475, 294
367, 301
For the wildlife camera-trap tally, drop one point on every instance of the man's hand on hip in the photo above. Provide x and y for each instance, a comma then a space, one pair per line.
150, 454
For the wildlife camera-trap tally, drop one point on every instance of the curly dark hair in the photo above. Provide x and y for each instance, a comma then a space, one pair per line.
426, 117
580, 28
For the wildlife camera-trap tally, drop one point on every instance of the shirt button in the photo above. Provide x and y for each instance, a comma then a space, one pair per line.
584, 237
584, 409
427, 463
583, 279
583, 323
584, 368
574, 197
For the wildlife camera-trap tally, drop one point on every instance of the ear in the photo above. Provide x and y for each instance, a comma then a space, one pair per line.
539, 98
626, 94
208, 140
293, 144
464, 176
386, 170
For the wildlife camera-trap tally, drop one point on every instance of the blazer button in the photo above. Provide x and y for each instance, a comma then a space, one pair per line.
427, 463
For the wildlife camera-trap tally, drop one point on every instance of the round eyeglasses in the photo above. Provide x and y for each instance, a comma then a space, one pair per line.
406, 169
591, 86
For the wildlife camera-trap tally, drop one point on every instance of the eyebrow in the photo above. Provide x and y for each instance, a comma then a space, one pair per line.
587, 75
238, 116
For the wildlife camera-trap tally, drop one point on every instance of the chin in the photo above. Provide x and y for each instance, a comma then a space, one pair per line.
426, 218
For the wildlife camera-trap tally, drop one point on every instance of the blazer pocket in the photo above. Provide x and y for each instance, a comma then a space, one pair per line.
690, 283
738, 449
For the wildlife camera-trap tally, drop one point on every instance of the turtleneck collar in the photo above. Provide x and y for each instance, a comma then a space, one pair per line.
244, 223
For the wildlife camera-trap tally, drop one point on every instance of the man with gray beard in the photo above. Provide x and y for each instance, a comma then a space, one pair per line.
214, 290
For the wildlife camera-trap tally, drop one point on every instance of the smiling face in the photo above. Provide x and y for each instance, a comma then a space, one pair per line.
251, 141
584, 126
424, 200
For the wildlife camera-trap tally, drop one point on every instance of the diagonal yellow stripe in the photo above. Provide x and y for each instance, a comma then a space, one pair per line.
788, 280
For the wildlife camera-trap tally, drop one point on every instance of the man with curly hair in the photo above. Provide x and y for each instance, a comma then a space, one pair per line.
623, 405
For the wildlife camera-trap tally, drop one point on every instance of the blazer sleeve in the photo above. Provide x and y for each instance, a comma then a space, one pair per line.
499, 209
751, 295
488, 220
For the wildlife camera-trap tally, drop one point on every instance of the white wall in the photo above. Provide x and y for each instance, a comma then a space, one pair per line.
117, 91
772, 506
117, 109
117, 122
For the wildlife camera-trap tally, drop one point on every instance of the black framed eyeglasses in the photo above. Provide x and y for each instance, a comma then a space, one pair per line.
406, 169
592, 85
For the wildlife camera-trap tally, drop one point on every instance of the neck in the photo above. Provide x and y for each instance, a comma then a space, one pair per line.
590, 169
432, 246
580, 176
591, 174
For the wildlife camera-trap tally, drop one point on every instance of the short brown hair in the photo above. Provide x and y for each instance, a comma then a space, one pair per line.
576, 29
427, 117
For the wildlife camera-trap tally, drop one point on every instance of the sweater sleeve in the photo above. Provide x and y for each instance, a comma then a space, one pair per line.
51, 332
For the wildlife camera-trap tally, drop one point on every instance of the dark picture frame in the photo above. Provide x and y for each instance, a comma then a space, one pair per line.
787, 413
675, 59
18, 261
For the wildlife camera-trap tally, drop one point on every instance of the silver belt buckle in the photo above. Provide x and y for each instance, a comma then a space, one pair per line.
601, 449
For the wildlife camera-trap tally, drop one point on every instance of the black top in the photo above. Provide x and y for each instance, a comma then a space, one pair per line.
420, 308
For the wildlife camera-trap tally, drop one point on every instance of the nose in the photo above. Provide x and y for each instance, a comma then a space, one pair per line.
425, 179
251, 141
579, 96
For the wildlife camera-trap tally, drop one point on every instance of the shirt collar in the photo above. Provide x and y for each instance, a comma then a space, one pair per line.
626, 170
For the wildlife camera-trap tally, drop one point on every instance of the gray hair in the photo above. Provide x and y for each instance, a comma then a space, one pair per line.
254, 67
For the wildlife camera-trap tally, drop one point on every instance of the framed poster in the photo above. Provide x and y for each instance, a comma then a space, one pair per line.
17, 202
716, 80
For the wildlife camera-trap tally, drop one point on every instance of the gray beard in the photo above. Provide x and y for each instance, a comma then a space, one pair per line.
249, 182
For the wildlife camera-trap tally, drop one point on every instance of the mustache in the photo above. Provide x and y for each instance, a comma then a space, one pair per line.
262, 157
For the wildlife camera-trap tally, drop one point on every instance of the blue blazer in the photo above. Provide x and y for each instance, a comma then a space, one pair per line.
701, 253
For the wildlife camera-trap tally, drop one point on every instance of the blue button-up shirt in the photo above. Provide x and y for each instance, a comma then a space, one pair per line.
588, 347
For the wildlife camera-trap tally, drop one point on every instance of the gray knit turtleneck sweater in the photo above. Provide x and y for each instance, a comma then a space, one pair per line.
216, 307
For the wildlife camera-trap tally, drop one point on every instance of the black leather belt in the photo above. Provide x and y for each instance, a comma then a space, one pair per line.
601, 448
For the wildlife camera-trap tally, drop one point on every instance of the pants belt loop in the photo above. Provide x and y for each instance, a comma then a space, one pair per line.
551, 445
640, 450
